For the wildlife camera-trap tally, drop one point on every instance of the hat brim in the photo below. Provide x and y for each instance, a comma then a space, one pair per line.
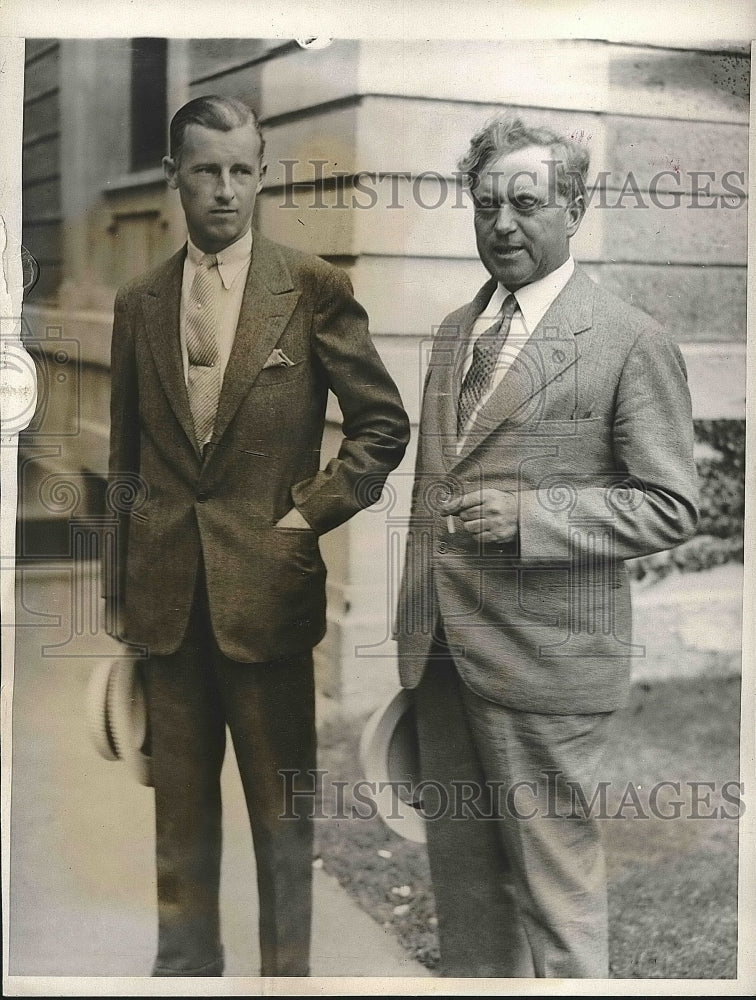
127, 713
390, 762
97, 710
117, 715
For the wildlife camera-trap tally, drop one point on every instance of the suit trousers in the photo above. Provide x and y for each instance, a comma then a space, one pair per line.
516, 859
269, 708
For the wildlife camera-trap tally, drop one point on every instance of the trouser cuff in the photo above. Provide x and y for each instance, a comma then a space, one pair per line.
214, 968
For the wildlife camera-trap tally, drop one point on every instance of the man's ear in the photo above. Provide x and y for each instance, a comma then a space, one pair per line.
575, 213
170, 169
263, 171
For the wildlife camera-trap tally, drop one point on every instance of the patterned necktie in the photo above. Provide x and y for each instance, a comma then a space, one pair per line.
204, 380
486, 352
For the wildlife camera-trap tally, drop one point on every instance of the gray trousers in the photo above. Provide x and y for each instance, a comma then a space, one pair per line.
516, 861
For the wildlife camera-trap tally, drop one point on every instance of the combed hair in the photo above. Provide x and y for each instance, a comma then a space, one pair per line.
506, 133
212, 111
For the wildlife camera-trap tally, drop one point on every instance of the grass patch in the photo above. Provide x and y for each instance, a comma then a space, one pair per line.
672, 882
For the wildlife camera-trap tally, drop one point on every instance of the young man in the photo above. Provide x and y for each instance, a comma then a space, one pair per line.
222, 359
556, 421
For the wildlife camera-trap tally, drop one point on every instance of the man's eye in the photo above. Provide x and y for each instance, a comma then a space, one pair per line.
525, 204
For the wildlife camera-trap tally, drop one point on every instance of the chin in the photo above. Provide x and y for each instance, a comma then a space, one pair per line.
511, 280
222, 235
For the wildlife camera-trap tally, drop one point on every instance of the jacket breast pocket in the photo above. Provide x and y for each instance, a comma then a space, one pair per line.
581, 446
281, 374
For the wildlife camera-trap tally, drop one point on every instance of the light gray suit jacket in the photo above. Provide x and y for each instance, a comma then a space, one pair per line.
591, 429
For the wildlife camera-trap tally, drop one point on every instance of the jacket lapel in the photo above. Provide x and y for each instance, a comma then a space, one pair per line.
551, 349
161, 306
268, 302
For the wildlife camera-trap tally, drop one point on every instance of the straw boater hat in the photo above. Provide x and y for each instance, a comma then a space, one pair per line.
390, 761
117, 715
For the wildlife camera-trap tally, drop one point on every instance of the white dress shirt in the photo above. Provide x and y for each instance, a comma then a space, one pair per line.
233, 266
534, 301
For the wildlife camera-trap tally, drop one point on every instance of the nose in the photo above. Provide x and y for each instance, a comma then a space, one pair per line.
224, 190
505, 219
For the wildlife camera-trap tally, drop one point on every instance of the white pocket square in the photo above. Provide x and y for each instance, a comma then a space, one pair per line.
278, 359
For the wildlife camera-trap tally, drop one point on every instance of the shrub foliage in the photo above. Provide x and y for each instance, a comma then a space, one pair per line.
720, 460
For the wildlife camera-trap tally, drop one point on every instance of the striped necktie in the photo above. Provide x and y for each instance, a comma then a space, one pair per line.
204, 379
486, 352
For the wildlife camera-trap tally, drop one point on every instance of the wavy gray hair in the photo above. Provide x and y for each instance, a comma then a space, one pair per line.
506, 133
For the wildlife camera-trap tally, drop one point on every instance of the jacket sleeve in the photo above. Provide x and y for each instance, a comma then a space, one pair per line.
649, 499
375, 425
123, 467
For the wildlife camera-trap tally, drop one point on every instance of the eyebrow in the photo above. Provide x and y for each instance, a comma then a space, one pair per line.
490, 200
216, 166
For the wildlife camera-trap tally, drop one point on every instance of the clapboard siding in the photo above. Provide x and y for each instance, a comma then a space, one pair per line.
43, 239
42, 76
42, 117
44, 195
40, 159
41, 166
38, 47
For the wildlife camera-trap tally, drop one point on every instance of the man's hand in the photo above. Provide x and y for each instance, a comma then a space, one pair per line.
292, 520
488, 514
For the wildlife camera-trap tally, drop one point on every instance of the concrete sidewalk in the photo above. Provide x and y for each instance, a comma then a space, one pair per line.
82, 867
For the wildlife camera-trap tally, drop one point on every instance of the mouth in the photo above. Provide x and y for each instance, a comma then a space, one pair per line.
222, 211
508, 252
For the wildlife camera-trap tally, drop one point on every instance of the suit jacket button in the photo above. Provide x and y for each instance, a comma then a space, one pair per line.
202, 496
442, 547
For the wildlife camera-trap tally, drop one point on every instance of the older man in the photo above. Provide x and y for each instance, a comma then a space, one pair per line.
555, 442
222, 360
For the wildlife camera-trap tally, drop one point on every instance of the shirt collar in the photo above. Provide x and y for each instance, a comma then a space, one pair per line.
534, 299
230, 260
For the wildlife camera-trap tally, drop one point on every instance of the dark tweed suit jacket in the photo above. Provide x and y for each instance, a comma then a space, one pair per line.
591, 429
266, 585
